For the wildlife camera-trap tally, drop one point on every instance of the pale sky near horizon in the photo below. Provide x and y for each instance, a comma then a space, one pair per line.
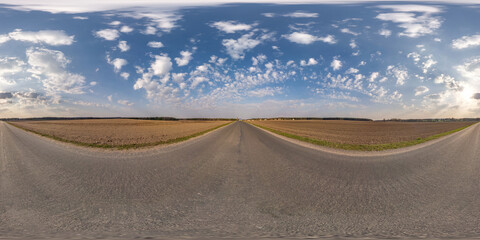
252, 59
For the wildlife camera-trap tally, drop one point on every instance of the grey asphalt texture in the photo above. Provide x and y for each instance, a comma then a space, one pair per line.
237, 182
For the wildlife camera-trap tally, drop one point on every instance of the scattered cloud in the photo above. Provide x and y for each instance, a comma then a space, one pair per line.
117, 63
470, 71
154, 80
311, 62
420, 90
385, 32
263, 92
352, 71
269, 15
300, 14
149, 30
185, 59
449, 82
80, 17
416, 20
236, 48
125, 75
217, 61
50, 37
115, 23
399, 73
123, 46
155, 44
353, 44
305, 38
10, 66
231, 26
4, 38
424, 62
348, 31
107, 34
373, 76
165, 20
336, 64
23, 99
49, 66
125, 102
466, 42
126, 29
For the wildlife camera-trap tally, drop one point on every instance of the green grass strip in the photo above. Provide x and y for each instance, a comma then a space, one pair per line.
125, 146
363, 147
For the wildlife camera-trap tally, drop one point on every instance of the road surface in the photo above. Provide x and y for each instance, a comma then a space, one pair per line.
238, 181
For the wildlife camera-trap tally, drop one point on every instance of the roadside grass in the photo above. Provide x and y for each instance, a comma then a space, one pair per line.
363, 147
125, 146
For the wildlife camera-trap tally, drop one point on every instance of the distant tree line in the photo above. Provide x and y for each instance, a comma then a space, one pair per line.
315, 118
138, 118
234, 119
434, 120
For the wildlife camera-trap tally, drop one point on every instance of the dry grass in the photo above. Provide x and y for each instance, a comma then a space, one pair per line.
121, 133
361, 132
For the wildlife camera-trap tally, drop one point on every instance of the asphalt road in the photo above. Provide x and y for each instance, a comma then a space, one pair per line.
238, 181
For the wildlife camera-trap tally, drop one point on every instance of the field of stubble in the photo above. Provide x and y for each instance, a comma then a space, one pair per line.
360, 132
118, 132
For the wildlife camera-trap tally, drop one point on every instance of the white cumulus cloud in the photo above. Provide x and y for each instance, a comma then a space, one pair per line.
185, 59
107, 34
311, 62
373, 76
50, 37
49, 66
162, 65
118, 63
155, 44
126, 29
466, 42
236, 47
231, 26
115, 23
305, 38
336, 64
155, 79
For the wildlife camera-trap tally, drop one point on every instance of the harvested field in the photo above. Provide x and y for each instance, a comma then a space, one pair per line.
361, 132
119, 132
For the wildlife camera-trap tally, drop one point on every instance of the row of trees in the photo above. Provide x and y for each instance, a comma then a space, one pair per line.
140, 118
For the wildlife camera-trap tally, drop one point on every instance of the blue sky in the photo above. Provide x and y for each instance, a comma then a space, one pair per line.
206, 59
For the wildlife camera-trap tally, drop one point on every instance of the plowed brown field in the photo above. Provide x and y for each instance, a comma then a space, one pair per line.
118, 132
360, 132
